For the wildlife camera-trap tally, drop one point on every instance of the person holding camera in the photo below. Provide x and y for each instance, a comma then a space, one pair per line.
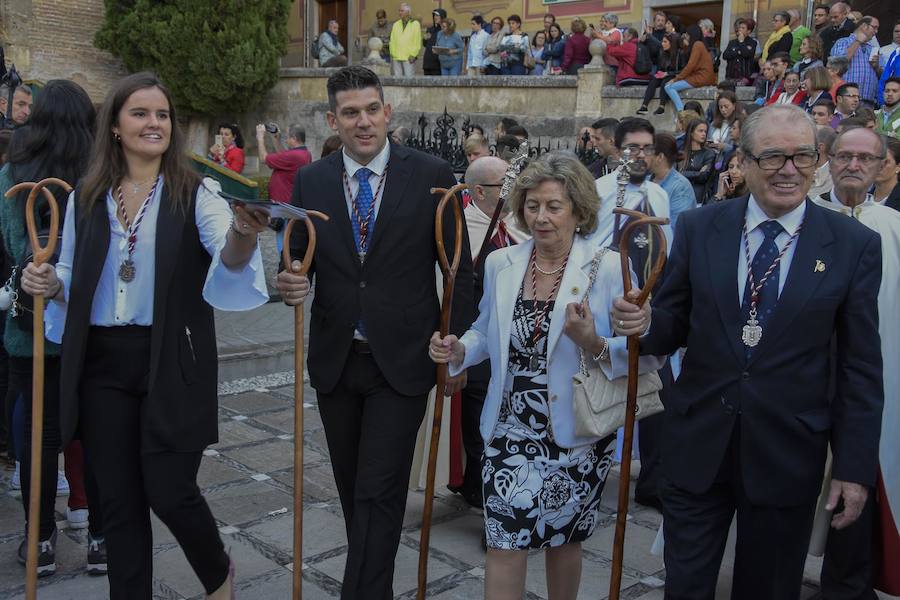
284, 164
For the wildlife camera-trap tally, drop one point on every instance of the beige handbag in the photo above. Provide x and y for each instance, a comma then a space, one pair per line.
599, 404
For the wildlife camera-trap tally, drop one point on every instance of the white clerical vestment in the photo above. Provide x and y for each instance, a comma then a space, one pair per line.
608, 189
886, 222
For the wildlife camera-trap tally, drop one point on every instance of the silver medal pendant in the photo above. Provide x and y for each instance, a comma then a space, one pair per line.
752, 331
533, 362
641, 240
127, 270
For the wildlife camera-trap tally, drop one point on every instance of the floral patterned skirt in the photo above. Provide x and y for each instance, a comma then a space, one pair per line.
538, 495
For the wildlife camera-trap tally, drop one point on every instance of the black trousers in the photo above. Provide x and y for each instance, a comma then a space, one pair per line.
371, 432
649, 432
113, 388
772, 542
652, 86
472, 404
848, 568
20, 384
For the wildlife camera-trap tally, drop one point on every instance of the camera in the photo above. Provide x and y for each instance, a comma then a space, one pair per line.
272, 128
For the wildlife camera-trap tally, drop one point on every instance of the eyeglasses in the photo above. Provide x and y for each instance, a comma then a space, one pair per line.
634, 149
490, 184
849, 95
845, 158
773, 162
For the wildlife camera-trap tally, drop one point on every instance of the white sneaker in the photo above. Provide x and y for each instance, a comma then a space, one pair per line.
62, 484
78, 518
15, 483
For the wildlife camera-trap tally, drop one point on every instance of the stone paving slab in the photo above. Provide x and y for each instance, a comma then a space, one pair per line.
247, 479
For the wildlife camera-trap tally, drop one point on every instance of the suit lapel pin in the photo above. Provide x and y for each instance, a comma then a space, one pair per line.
820, 267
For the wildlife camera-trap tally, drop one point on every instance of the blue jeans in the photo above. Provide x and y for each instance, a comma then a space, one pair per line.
515, 68
672, 88
451, 70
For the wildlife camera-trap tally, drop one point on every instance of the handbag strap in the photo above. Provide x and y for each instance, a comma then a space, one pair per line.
595, 268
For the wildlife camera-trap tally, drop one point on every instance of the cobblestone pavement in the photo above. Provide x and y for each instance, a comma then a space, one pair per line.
247, 480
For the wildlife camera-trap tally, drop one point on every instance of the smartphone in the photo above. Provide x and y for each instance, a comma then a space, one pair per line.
874, 54
728, 180
218, 139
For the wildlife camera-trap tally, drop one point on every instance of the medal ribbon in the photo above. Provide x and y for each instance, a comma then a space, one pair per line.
364, 224
756, 287
541, 314
131, 230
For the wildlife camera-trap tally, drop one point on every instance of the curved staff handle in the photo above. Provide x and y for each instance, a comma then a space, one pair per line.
305, 264
638, 219
448, 268
41, 255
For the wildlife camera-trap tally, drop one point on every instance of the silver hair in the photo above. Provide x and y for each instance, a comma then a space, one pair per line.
405, 6
826, 136
754, 122
706, 24
612, 18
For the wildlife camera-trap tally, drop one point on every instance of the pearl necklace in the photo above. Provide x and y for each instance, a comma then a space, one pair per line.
553, 272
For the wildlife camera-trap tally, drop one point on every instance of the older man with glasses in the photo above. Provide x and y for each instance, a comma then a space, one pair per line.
758, 289
861, 48
850, 568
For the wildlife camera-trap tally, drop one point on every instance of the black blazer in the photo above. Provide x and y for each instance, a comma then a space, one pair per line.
395, 291
786, 420
893, 199
180, 412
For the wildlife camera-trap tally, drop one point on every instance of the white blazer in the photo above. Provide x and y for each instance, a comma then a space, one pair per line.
489, 336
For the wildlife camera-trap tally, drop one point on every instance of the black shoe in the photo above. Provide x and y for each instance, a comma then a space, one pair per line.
46, 555
96, 558
642, 110
659, 111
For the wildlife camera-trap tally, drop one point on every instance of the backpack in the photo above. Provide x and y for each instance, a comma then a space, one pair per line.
642, 62
314, 48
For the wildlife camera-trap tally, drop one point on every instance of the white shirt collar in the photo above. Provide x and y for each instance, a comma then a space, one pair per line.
377, 165
869, 199
790, 221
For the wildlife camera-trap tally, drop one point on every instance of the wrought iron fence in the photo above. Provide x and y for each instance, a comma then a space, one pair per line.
444, 140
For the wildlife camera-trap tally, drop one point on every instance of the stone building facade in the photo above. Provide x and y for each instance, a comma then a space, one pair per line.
52, 39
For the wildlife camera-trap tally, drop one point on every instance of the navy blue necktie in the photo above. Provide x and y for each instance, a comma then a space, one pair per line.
768, 296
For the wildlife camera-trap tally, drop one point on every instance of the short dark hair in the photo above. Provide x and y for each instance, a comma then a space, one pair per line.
235, 131
632, 32
517, 130
821, 6
351, 78
842, 89
507, 142
478, 19
632, 125
298, 133
786, 57
551, 15
607, 126
892, 79
694, 106
507, 122
727, 85
826, 103
666, 146
893, 146
515, 18
864, 21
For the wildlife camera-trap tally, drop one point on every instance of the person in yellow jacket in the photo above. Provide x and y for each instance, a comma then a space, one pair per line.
406, 42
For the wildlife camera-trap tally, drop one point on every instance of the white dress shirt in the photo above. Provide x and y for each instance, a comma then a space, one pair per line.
377, 166
755, 216
119, 303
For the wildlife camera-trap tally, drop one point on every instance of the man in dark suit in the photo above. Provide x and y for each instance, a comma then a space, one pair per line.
748, 421
375, 308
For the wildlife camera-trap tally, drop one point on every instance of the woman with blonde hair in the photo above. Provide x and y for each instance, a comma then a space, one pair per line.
575, 53
539, 313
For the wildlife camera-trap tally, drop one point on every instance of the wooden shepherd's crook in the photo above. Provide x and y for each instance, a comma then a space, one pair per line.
638, 219
448, 268
298, 392
41, 255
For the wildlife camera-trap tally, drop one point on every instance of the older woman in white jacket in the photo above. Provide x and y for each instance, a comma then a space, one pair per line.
542, 482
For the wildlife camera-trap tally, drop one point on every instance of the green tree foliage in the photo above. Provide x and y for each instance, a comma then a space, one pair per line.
217, 56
